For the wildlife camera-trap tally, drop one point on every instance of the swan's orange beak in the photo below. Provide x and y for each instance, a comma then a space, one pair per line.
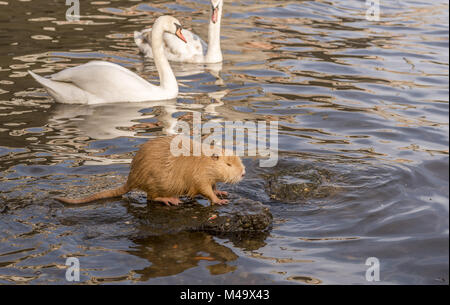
215, 14
180, 35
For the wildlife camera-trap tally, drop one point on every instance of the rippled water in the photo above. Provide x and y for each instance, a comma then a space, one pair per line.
362, 103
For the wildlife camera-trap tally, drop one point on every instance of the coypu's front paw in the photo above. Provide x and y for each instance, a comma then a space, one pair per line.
169, 200
221, 193
221, 202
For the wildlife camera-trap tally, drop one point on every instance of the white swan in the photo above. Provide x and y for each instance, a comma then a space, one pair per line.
195, 50
99, 82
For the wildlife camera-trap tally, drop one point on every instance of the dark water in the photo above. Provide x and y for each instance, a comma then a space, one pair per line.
362, 103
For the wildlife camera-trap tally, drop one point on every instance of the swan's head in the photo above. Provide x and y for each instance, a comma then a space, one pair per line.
215, 6
170, 25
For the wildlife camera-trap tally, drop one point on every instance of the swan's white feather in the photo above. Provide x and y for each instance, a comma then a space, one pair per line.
62, 92
193, 51
99, 82
142, 40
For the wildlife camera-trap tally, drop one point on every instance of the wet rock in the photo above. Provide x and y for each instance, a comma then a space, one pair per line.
299, 182
240, 215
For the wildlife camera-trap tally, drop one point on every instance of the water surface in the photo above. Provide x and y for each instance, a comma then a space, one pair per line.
363, 113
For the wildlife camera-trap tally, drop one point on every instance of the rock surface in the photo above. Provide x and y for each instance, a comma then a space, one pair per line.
299, 183
240, 215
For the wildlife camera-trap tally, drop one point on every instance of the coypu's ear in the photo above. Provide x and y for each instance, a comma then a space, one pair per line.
215, 157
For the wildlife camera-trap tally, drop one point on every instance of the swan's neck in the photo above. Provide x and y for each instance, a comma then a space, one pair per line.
166, 77
214, 53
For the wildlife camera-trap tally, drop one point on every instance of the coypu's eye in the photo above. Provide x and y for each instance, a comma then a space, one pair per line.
229, 164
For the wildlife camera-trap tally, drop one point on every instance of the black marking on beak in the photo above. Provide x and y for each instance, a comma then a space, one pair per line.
178, 32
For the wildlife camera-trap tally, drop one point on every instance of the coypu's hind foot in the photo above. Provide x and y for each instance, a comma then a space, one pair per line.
169, 200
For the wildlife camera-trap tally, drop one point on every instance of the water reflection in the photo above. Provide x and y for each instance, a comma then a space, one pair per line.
173, 254
100, 122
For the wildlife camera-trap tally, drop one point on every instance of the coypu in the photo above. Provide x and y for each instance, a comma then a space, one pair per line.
165, 177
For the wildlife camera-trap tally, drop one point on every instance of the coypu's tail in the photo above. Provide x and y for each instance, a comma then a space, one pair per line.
105, 194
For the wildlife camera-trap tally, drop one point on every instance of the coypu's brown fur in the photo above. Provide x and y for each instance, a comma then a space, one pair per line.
165, 177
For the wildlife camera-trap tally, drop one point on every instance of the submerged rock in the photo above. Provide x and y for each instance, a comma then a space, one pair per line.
298, 183
240, 215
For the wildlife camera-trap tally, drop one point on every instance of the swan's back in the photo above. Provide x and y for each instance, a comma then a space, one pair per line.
193, 51
99, 82
106, 81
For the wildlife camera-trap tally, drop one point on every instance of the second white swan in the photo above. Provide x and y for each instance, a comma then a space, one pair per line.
100, 82
195, 50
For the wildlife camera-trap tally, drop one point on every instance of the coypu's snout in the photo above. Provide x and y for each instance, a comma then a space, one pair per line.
241, 176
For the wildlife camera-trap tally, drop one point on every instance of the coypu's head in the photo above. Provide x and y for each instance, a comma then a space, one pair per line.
229, 168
